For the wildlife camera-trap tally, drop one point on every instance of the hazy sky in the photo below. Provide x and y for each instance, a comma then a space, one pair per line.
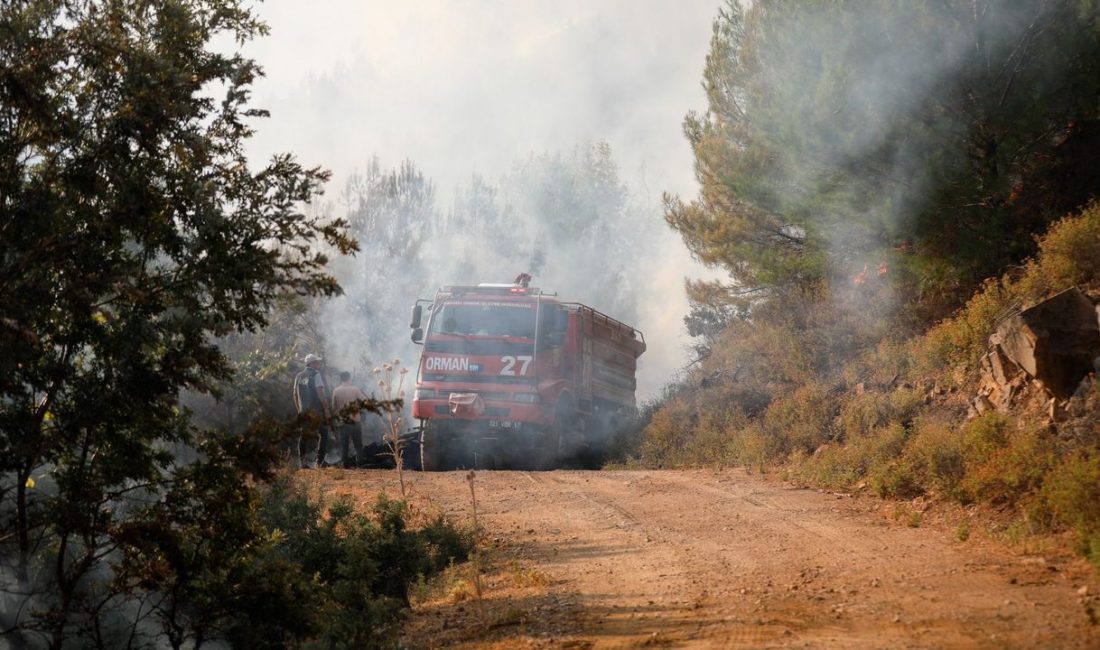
472, 85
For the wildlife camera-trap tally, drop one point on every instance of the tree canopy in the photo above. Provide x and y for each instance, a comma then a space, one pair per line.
133, 230
932, 139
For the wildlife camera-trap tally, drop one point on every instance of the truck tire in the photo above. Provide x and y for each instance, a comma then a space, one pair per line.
540, 453
548, 452
432, 452
600, 428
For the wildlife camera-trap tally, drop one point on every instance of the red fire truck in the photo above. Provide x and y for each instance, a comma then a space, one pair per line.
513, 377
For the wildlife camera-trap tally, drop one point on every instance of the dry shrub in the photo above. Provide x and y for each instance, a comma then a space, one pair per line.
962, 340
932, 461
699, 428
883, 365
843, 466
988, 459
670, 434
802, 420
1005, 464
860, 415
902, 441
755, 447
1071, 497
1068, 256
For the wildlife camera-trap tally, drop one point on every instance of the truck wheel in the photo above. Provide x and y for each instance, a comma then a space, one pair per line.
599, 428
549, 446
431, 449
544, 455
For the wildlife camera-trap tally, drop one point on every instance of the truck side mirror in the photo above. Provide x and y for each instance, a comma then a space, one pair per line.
417, 335
418, 311
555, 339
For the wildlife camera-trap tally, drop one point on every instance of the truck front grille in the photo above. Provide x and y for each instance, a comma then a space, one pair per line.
478, 379
491, 411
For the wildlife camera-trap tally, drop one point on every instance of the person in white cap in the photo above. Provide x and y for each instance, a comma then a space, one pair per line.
311, 399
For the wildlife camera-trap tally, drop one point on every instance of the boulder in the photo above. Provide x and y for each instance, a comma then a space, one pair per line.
1054, 341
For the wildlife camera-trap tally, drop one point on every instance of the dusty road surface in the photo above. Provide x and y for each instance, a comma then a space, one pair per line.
722, 559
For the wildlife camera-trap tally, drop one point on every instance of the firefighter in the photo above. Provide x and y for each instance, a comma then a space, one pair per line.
311, 401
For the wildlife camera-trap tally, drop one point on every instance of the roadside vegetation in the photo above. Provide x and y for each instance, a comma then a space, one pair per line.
881, 181
153, 281
875, 236
349, 571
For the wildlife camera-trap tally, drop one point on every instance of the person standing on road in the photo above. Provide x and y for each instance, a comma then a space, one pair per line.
311, 401
349, 431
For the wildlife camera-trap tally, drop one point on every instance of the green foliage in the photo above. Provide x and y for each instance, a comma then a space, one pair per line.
134, 234
203, 551
360, 566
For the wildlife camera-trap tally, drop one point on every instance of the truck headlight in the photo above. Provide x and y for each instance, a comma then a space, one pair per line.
526, 398
423, 393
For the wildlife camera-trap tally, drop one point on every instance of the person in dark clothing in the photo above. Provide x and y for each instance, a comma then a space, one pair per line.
311, 400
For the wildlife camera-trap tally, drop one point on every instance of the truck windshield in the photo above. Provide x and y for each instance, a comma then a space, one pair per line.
481, 319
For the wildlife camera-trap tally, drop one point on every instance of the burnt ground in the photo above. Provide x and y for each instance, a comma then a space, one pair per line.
723, 559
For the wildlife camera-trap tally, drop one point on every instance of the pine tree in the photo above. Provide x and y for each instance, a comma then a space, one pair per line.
930, 138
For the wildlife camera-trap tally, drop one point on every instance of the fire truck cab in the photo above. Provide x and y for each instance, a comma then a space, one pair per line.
512, 377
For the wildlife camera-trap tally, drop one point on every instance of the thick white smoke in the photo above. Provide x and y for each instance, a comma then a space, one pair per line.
566, 219
465, 89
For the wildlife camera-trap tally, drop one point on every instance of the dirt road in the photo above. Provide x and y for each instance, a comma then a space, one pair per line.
722, 559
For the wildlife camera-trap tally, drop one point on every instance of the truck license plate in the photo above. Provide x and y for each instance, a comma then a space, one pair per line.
504, 424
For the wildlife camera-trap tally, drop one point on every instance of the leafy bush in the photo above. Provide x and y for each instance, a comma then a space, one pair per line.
360, 565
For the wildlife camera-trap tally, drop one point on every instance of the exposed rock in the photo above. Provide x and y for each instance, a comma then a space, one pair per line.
1055, 413
1054, 341
1000, 367
1002, 381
